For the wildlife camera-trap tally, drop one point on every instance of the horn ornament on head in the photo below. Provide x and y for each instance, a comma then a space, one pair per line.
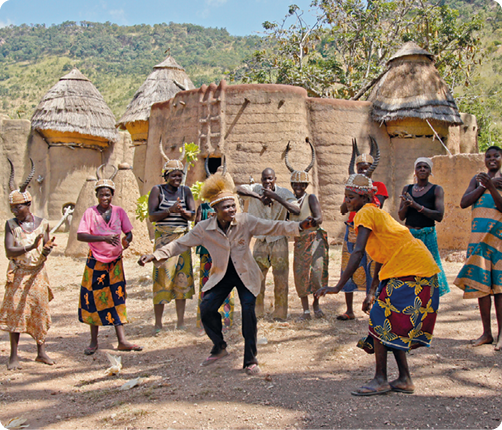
375, 153
12, 184
102, 181
286, 160
297, 175
206, 167
23, 187
355, 154
171, 165
312, 156
20, 195
224, 163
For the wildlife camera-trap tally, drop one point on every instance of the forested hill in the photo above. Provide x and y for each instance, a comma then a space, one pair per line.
117, 59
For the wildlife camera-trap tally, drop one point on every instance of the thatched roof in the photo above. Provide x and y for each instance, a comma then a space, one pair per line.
413, 88
411, 48
167, 79
75, 105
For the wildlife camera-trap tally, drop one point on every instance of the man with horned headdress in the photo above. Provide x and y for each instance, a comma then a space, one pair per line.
25, 306
227, 236
171, 206
271, 202
362, 278
311, 260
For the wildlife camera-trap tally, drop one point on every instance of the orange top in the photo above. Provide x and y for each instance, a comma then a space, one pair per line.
392, 245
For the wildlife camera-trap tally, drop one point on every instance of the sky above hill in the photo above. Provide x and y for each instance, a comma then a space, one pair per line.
239, 17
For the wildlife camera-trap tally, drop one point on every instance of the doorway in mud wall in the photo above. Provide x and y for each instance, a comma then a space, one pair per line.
213, 164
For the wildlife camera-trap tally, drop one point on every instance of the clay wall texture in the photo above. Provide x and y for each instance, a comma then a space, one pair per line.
62, 170
453, 174
252, 124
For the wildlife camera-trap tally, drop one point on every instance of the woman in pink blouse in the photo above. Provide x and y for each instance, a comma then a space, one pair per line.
103, 290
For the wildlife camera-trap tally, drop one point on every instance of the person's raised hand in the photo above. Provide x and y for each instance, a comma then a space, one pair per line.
37, 240
270, 194
48, 246
497, 182
176, 208
483, 179
407, 199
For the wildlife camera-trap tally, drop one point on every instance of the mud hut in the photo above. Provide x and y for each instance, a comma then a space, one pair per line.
73, 132
416, 108
126, 194
412, 92
167, 79
74, 112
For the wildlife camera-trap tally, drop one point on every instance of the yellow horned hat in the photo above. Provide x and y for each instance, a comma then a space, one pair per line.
218, 187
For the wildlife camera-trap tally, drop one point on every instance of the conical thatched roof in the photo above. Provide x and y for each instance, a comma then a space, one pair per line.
74, 105
413, 88
411, 48
167, 79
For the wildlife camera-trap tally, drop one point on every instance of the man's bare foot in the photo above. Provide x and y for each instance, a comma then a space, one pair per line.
406, 387
44, 358
14, 364
483, 339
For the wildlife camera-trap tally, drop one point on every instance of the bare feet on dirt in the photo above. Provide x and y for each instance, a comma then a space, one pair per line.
498, 347
14, 364
482, 340
44, 358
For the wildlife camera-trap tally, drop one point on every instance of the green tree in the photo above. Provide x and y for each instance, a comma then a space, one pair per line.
348, 46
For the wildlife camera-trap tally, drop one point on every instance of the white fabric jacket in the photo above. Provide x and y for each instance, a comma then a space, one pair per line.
234, 245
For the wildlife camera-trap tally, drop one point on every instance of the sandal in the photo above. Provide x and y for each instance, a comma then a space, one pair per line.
90, 350
401, 390
252, 369
213, 358
345, 317
369, 391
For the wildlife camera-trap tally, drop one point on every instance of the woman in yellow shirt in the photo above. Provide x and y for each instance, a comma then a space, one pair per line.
404, 292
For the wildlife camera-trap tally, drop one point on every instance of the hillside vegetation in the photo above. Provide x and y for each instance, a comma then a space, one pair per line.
117, 59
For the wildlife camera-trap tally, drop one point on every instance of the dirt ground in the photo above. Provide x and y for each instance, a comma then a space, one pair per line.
309, 369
